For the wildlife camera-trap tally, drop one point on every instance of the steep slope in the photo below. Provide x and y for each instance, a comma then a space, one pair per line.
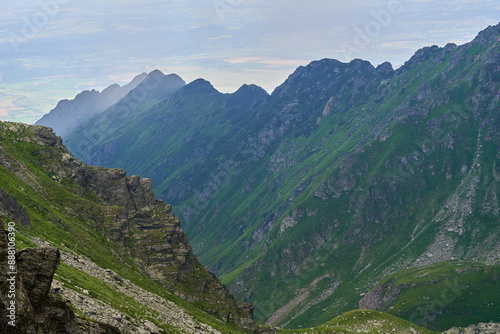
26, 305
69, 114
347, 173
125, 258
116, 242
424, 190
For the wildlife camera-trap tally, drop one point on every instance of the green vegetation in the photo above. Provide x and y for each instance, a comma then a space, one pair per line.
57, 212
63, 218
303, 208
444, 295
364, 321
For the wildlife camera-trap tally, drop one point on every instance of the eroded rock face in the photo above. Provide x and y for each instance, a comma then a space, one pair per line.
157, 242
372, 300
35, 310
36, 267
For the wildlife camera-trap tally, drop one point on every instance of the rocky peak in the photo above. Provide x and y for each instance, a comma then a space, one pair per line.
199, 86
420, 56
321, 76
489, 35
385, 70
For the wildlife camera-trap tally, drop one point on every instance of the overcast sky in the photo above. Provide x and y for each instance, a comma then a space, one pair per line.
54, 49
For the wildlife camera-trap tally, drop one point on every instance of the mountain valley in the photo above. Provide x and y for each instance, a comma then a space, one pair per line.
352, 199
345, 174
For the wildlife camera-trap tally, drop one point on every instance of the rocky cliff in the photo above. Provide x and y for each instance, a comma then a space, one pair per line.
37, 168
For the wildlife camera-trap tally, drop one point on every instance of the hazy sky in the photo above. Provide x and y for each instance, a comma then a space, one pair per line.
53, 49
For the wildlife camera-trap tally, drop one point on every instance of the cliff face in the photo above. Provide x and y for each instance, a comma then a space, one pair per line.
120, 208
147, 230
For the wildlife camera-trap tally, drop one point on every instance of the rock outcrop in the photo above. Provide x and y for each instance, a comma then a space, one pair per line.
481, 328
25, 283
11, 208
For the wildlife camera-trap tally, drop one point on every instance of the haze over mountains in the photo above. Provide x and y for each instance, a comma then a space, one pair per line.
305, 200
69, 114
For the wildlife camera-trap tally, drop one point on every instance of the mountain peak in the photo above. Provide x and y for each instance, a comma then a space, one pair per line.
200, 86
385, 70
489, 35
321, 73
245, 89
136, 80
247, 94
156, 73
420, 56
158, 85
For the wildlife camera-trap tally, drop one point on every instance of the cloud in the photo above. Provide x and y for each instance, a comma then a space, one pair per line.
220, 37
228, 42
273, 61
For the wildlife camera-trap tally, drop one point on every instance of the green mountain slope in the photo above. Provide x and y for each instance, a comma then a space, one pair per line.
441, 295
347, 173
125, 259
364, 321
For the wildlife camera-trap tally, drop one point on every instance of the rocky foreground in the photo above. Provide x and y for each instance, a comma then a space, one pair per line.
481, 328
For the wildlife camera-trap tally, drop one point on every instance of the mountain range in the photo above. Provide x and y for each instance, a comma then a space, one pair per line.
69, 114
98, 254
327, 193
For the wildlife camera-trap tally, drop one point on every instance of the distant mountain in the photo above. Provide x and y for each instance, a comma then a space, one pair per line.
69, 114
305, 199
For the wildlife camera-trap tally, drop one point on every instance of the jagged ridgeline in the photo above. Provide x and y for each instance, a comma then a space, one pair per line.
305, 199
125, 260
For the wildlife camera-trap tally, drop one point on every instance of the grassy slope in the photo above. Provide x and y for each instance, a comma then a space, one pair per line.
364, 321
50, 205
47, 202
444, 295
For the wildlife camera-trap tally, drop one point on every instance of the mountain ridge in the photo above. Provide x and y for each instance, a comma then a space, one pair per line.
344, 162
69, 114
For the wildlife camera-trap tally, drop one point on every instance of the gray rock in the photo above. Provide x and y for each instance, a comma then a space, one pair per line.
37, 312
15, 211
